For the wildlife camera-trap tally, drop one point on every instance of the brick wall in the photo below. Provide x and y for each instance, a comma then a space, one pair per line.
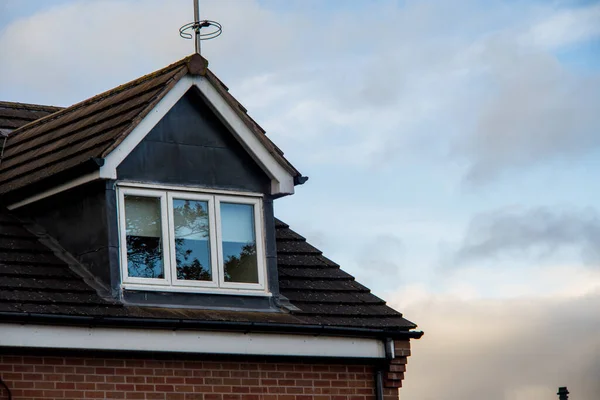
52, 377
395, 370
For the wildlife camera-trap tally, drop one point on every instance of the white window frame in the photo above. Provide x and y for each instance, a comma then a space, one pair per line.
258, 235
214, 199
211, 239
164, 232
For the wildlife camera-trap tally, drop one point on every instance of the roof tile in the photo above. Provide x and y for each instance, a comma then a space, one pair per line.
66, 138
15, 115
32, 280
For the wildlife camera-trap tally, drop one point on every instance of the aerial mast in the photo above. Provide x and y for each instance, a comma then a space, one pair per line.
196, 23
196, 27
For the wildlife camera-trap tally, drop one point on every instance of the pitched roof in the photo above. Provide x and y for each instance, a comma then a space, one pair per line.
15, 115
323, 292
70, 137
34, 281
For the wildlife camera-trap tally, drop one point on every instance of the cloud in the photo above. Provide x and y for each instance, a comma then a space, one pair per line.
535, 111
381, 256
498, 349
429, 78
87, 47
531, 232
81, 47
566, 27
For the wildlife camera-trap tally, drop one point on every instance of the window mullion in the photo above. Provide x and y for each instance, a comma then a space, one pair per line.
171, 240
165, 221
212, 236
219, 242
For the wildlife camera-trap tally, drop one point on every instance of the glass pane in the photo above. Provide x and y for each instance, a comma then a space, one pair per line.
192, 246
144, 237
239, 244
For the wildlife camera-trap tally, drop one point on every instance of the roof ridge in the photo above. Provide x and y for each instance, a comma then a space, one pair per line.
101, 96
29, 106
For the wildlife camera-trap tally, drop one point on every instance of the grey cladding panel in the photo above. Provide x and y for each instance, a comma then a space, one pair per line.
77, 220
191, 146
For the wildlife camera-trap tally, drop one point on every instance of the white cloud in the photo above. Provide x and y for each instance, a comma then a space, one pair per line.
424, 80
566, 27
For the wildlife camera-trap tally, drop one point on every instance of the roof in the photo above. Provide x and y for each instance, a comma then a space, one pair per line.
15, 115
62, 140
323, 292
34, 281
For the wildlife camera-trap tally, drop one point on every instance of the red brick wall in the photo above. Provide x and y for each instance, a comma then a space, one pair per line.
51, 377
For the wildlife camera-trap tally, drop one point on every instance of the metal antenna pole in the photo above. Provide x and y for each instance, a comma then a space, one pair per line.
214, 28
197, 21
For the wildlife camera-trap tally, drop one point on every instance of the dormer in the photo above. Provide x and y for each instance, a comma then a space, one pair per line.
169, 185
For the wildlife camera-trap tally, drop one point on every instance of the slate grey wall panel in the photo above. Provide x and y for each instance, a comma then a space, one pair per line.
78, 220
191, 146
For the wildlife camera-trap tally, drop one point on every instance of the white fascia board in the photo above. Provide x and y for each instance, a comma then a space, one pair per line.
282, 182
184, 341
117, 155
57, 189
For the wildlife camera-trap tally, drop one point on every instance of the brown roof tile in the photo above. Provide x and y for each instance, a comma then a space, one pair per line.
15, 115
64, 139
71, 136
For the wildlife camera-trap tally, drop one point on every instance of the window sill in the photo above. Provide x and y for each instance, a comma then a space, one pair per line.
195, 290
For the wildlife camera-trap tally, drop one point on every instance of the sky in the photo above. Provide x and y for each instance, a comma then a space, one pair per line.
452, 148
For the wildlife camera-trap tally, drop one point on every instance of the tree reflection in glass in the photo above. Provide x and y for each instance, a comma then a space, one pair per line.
239, 243
144, 237
192, 246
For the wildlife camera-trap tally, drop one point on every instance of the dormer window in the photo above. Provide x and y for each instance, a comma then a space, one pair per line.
177, 240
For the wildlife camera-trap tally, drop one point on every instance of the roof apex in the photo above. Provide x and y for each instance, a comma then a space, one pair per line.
197, 65
65, 140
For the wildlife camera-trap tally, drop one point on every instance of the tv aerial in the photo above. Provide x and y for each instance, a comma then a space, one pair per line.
194, 29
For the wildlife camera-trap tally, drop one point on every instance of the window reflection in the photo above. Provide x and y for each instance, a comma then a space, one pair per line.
192, 246
239, 243
144, 237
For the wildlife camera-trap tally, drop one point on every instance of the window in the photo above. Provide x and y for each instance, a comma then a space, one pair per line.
173, 240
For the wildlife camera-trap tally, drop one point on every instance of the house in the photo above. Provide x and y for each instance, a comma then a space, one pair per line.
140, 258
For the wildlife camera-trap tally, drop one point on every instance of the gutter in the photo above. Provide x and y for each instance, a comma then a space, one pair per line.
187, 324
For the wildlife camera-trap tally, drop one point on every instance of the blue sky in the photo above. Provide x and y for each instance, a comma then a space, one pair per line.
452, 150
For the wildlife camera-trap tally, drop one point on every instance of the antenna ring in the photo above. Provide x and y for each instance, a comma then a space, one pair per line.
196, 27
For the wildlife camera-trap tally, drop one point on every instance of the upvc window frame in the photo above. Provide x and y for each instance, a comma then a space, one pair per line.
258, 238
166, 281
214, 199
213, 283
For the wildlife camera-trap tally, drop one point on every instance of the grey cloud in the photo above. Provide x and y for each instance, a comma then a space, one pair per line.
535, 110
380, 261
505, 350
531, 232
